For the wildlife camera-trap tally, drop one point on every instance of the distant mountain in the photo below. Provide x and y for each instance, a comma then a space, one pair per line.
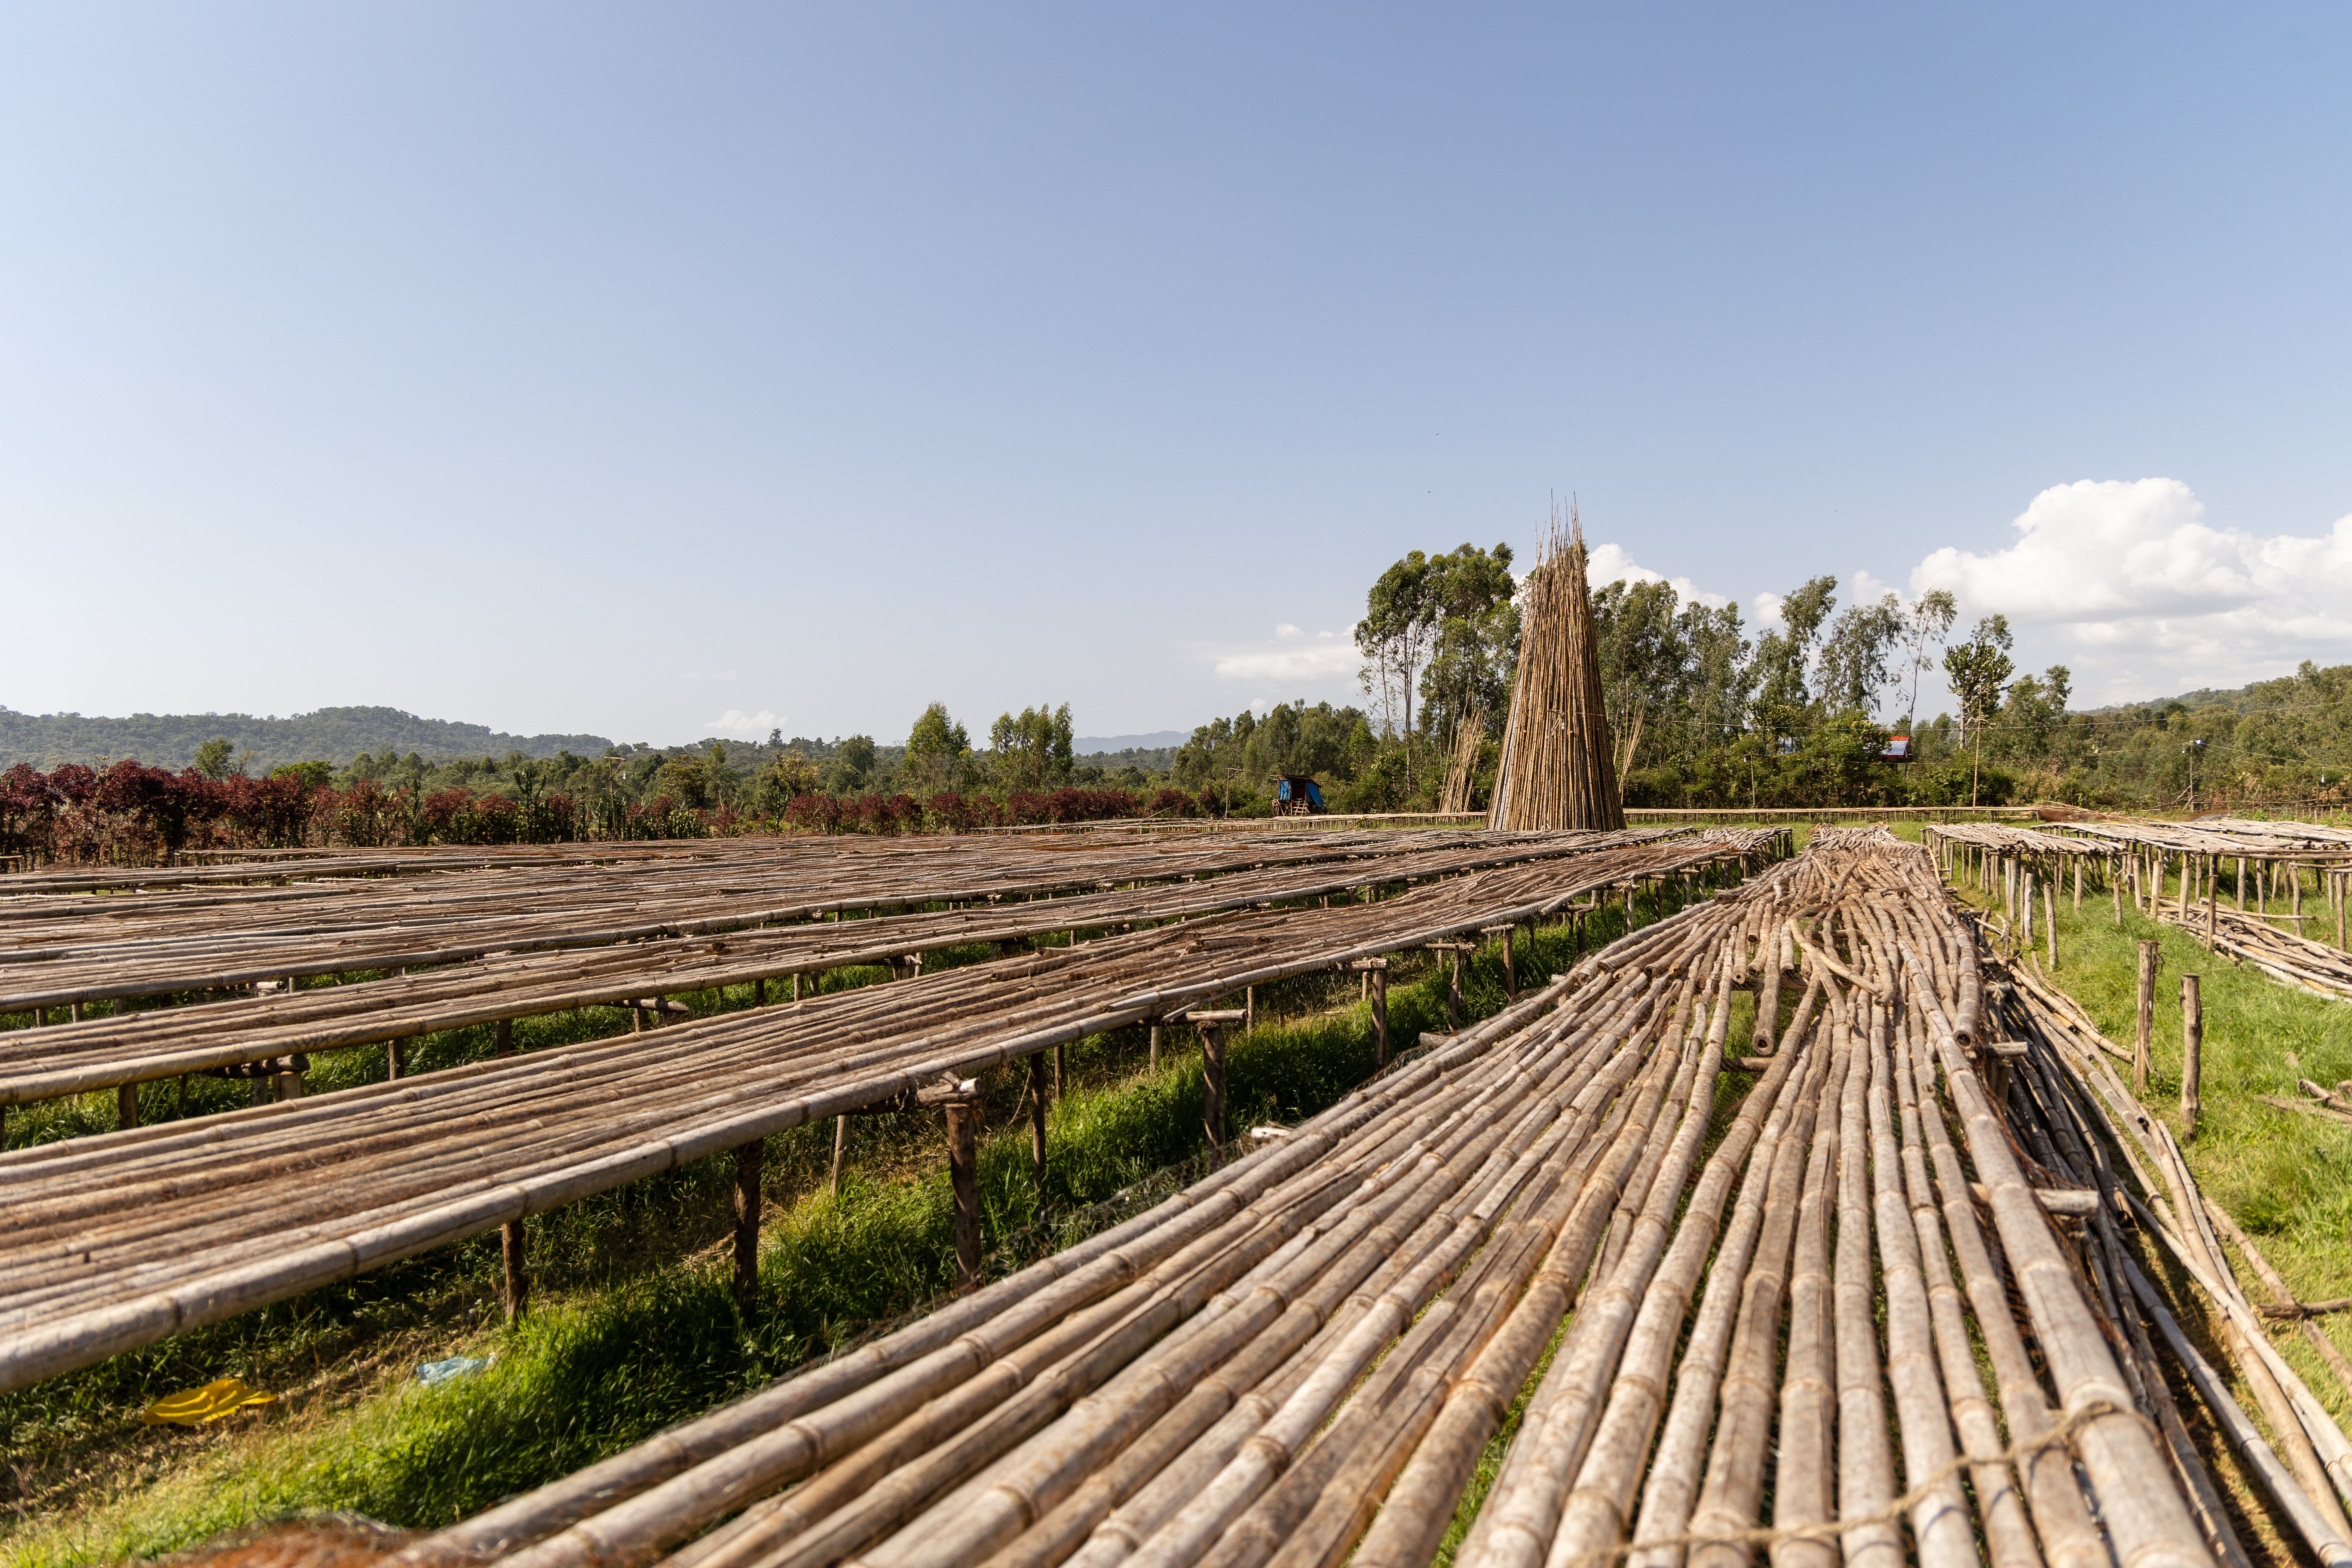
332, 734
1096, 745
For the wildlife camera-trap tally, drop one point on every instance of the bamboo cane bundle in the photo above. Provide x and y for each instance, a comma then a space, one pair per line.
1469, 734
2287, 957
1556, 768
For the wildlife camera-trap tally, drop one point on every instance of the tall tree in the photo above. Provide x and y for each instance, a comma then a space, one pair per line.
1978, 669
1784, 657
1400, 615
937, 748
1033, 752
1472, 595
1930, 620
1857, 658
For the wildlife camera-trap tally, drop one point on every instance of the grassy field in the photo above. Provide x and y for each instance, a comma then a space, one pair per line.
633, 1325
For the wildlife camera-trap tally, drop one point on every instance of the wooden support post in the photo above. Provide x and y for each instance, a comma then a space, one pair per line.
636, 1020
2192, 1052
1510, 972
182, 1110
502, 1037
1057, 1072
796, 985
749, 1160
395, 1059
963, 1180
2242, 884
1213, 1026
2115, 886
2078, 884
1037, 1118
126, 1107
2050, 919
1375, 972
760, 992
518, 1283
1249, 1009
2147, 966
840, 1151
1155, 1045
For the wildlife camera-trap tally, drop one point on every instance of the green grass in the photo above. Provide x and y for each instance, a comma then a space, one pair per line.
633, 1325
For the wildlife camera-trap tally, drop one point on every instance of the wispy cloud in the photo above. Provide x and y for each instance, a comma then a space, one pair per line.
1291, 656
752, 726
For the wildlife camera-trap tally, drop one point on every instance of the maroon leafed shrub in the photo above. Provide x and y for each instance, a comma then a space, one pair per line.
1174, 803
813, 813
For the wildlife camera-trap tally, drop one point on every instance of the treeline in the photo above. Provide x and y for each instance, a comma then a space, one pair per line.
337, 735
1806, 714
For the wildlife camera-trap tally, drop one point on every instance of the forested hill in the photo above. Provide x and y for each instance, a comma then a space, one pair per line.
332, 734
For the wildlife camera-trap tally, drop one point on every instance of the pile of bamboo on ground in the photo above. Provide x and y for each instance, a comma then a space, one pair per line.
2143, 1207
141, 1046
1303, 1359
55, 952
1556, 768
2284, 956
124, 1238
1469, 735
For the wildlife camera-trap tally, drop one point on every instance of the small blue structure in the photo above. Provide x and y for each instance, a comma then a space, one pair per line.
1296, 796
1898, 749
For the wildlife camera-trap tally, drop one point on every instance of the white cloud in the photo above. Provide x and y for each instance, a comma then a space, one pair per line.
2147, 597
1609, 563
1764, 609
735, 721
1292, 658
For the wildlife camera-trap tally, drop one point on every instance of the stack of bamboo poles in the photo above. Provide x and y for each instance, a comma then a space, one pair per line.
137, 1047
2287, 957
55, 952
1557, 769
125, 1238
2122, 1157
1469, 734
1303, 1358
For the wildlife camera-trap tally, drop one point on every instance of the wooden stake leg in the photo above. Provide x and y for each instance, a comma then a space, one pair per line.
1037, 1113
2192, 1052
750, 1159
126, 1107
1380, 1015
1212, 1074
2147, 966
518, 1283
963, 1179
840, 1151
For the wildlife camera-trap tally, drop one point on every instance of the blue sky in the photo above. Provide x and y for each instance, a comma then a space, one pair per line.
620, 369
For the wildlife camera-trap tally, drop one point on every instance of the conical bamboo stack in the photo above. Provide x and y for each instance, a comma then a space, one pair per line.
1557, 768
1468, 736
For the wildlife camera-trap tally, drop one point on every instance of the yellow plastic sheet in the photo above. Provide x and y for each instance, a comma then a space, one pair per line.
223, 1396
